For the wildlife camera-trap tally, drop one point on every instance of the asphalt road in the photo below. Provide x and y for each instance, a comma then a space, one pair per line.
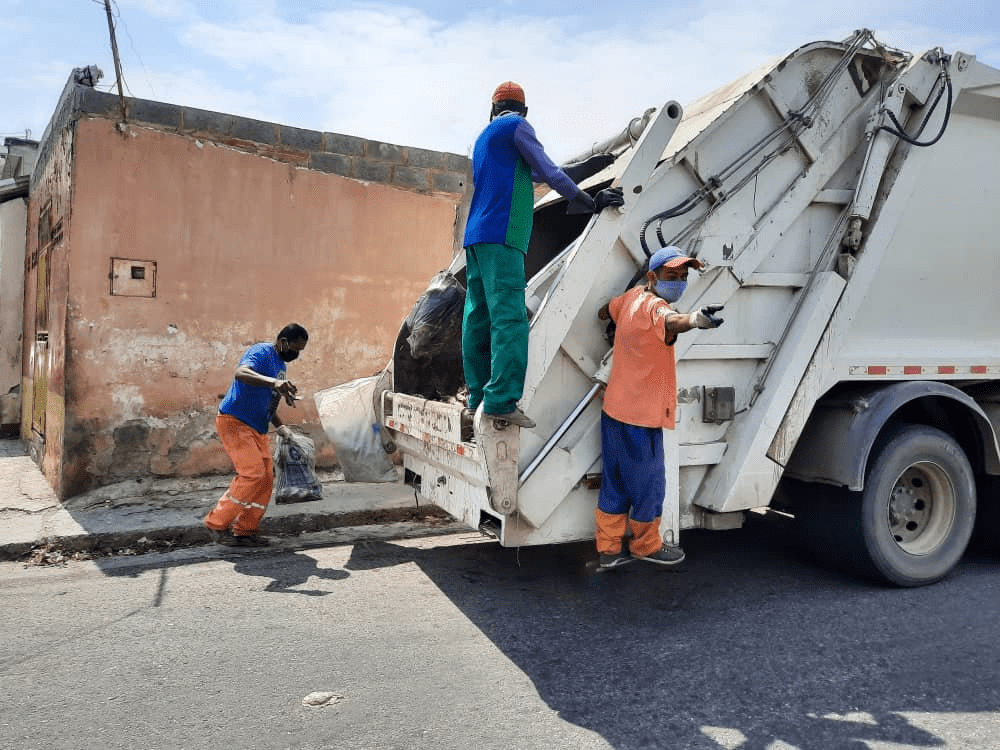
455, 642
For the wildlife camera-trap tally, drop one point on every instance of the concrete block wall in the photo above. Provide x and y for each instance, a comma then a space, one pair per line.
405, 167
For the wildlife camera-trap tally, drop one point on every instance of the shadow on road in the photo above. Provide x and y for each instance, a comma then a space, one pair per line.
287, 571
286, 568
746, 645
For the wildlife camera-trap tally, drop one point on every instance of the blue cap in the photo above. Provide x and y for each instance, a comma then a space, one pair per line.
672, 257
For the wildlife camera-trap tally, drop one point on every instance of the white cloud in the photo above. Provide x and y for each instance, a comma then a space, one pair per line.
192, 87
400, 74
35, 112
403, 77
395, 73
164, 9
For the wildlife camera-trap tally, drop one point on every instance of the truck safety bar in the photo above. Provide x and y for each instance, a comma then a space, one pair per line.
557, 435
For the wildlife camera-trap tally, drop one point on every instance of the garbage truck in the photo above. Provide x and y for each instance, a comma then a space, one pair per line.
844, 202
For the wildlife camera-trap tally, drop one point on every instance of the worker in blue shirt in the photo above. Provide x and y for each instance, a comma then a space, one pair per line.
249, 407
506, 161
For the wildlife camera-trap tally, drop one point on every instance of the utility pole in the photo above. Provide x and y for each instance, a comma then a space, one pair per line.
114, 54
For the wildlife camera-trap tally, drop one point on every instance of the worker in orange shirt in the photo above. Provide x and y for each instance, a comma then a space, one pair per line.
639, 402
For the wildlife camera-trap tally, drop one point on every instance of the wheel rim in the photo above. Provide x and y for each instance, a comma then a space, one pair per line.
921, 508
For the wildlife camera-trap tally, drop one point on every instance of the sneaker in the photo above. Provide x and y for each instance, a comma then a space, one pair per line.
221, 537
250, 541
516, 417
665, 556
607, 561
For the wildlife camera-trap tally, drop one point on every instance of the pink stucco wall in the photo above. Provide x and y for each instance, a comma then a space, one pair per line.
242, 244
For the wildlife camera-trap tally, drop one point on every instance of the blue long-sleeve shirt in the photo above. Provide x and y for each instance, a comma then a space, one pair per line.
255, 405
506, 160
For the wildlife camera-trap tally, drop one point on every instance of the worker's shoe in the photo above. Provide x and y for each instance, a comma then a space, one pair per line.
516, 417
665, 555
607, 561
220, 537
249, 541
467, 424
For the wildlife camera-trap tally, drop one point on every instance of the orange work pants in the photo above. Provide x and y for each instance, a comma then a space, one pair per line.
241, 507
611, 528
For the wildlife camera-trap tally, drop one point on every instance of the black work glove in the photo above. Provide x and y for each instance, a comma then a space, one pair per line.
609, 197
581, 204
706, 318
584, 204
581, 170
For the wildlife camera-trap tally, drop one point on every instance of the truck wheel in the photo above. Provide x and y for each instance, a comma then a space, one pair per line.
918, 507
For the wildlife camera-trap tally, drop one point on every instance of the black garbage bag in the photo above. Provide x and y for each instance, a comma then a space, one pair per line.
435, 322
295, 470
427, 356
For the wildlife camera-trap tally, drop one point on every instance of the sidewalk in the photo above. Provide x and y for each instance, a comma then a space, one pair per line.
162, 514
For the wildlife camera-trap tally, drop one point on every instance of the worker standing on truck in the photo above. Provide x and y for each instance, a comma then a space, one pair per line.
250, 405
506, 159
639, 402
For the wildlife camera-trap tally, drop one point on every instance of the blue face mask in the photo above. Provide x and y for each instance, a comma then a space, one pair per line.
671, 291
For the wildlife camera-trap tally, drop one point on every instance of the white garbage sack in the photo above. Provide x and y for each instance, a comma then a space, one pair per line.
348, 418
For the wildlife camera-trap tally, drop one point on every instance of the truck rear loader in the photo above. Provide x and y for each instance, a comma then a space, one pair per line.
845, 204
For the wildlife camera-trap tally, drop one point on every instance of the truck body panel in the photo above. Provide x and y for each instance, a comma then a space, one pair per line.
846, 256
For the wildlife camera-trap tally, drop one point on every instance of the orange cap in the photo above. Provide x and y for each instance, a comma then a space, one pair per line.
508, 91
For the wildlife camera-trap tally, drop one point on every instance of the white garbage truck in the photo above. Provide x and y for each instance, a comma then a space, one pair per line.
844, 200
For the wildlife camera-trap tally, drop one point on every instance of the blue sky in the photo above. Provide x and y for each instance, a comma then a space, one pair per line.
420, 73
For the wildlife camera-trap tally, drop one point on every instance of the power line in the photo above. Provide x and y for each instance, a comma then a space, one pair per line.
131, 41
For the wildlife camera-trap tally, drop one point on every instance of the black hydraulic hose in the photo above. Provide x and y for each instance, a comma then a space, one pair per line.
794, 121
681, 208
939, 86
898, 130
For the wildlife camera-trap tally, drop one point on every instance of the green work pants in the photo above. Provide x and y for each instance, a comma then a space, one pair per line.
494, 327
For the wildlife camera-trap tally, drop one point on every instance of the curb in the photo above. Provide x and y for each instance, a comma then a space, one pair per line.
402, 522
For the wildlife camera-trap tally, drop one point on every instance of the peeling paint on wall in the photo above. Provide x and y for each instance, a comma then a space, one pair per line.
129, 402
243, 243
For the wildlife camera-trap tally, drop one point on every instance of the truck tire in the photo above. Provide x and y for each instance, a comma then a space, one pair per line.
918, 508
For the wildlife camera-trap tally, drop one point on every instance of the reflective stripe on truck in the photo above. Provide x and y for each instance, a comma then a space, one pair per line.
924, 370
